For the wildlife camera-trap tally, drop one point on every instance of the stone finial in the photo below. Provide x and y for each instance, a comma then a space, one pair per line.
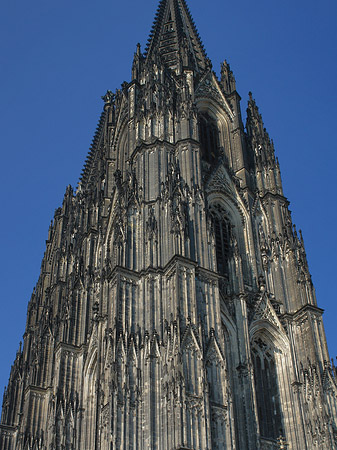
109, 97
95, 310
282, 445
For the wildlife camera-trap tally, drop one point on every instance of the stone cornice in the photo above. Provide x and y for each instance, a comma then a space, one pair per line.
149, 145
37, 389
69, 347
267, 195
118, 270
302, 311
175, 261
8, 428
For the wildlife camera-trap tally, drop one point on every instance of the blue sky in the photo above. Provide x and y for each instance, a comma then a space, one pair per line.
58, 58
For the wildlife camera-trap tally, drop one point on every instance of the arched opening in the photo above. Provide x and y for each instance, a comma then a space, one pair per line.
222, 232
192, 370
90, 402
267, 390
131, 240
208, 137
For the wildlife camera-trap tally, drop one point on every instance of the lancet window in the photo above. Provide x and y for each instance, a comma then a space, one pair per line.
208, 137
222, 231
267, 391
214, 375
90, 404
132, 238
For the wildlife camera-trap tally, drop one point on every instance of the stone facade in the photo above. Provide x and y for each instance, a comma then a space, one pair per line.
174, 309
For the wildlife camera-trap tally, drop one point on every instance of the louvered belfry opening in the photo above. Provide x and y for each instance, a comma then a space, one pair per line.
222, 233
208, 137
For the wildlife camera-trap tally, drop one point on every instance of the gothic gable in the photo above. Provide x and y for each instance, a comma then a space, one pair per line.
152, 349
108, 355
221, 182
190, 342
213, 353
263, 310
208, 88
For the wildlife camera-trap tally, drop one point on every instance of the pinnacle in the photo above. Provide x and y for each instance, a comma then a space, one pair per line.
253, 110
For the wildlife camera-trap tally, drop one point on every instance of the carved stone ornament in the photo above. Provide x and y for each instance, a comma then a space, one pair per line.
108, 97
263, 309
153, 324
220, 414
207, 88
151, 225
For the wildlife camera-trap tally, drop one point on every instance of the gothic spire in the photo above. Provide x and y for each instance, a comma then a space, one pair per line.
175, 38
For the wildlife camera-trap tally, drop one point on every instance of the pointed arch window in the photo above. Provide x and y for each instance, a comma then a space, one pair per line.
267, 391
208, 137
214, 376
131, 256
222, 231
90, 402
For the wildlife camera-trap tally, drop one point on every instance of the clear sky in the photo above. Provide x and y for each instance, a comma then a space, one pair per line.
58, 58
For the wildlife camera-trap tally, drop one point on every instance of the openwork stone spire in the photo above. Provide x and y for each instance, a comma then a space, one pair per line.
174, 37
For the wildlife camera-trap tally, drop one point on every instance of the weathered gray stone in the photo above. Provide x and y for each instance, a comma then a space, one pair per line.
175, 308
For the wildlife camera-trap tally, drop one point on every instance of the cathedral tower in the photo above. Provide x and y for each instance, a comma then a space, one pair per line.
174, 309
